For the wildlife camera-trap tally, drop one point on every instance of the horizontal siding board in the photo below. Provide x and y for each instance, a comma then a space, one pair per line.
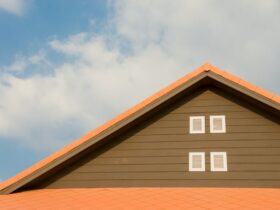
132, 168
231, 122
167, 183
229, 115
174, 175
208, 136
260, 167
158, 139
182, 159
182, 152
230, 129
200, 144
206, 109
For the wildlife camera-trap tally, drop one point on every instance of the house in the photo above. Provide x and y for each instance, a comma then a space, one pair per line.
209, 140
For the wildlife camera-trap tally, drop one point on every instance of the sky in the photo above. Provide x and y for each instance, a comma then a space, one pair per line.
68, 66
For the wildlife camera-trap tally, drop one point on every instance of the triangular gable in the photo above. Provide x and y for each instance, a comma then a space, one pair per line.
135, 112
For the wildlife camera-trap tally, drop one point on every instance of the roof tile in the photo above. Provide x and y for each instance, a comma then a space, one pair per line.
144, 198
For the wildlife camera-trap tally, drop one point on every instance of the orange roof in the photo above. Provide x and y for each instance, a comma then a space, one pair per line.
144, 198
201, 70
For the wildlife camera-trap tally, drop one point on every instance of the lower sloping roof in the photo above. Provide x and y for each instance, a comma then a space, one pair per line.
144, 198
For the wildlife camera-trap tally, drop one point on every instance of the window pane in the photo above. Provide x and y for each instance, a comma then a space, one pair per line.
218, 124
197, 124
197, 161
218, 161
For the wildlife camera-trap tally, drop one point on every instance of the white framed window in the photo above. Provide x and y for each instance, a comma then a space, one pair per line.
218, 161
217, 124
196, 161
197, 124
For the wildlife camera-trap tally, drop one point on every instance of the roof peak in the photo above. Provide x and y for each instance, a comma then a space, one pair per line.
207, 66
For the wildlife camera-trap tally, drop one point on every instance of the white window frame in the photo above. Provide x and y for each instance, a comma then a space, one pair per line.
202, 118
223, 130
191, 154
224, 154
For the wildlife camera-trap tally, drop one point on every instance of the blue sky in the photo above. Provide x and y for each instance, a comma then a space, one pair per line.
25, 33
68, 66
44, 19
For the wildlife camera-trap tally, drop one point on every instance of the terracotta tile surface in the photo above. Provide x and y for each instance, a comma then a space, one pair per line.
144, 198
204, 68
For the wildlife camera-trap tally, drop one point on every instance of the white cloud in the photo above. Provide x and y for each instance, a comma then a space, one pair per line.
43, 111
22, 63
233, 35
102, 74
16, 7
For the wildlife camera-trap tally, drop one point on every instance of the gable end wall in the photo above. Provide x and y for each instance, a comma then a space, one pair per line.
155, 152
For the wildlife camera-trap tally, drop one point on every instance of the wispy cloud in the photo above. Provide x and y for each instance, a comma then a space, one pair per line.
47, 111
99, 75
22, 63
16, 7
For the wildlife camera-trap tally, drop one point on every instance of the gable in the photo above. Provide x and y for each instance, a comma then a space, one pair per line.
154, 152
206, 75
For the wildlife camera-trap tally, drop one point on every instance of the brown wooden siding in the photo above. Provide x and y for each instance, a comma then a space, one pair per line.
155, 153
